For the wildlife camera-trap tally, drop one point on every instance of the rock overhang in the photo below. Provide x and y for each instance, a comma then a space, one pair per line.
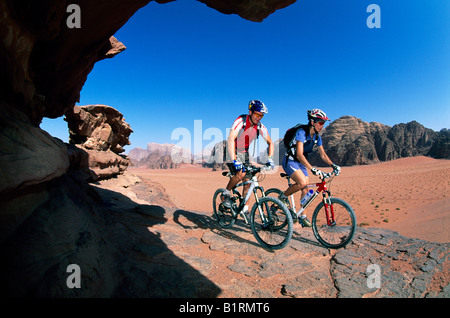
48, 62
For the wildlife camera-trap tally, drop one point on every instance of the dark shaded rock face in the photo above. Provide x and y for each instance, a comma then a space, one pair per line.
253, 10
49, 215
47, 62
441, 147
110, 237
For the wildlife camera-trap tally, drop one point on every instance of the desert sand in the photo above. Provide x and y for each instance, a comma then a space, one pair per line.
409, 195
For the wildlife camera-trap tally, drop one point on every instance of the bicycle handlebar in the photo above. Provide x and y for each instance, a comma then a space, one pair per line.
327, 175
255, 170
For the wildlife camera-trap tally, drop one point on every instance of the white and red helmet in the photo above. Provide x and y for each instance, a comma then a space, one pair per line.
317, 115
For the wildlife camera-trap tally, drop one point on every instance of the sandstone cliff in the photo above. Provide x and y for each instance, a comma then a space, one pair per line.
351, 141
98, 134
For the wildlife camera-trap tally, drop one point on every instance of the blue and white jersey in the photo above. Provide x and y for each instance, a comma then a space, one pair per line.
308, 142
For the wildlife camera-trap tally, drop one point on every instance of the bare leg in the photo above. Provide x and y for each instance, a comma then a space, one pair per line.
235, 180
301, 181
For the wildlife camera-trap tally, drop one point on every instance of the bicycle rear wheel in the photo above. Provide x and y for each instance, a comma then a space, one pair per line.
223, 214
335, 234
271, 223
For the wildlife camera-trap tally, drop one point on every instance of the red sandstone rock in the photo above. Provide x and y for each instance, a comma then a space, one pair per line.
101, 132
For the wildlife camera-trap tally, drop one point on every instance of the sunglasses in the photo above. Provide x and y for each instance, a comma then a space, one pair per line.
321, 123
258, 115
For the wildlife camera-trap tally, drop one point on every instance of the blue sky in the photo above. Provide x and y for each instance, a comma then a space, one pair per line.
185, 62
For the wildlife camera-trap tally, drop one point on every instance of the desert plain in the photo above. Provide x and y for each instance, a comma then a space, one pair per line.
408, 195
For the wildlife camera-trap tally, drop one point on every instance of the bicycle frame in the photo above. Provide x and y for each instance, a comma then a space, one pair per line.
321, 188
254, 187
269, 219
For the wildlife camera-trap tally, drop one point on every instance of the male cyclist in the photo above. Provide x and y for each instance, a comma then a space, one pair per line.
295, 162
244, 130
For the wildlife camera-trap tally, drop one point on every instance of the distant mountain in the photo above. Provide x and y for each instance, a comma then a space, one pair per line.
347, 141
351, 141
441, 147
159, 156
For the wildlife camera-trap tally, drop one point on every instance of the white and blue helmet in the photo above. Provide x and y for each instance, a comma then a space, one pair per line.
257, 106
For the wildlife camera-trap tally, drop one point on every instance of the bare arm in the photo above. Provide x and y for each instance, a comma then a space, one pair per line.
271, 145
231, 144
324, 156
301, 157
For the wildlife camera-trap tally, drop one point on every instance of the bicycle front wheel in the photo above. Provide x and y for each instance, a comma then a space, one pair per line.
334, 225
277, 193
271, 223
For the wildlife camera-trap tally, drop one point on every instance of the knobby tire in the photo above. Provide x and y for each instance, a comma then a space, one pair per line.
337, 235
276, 231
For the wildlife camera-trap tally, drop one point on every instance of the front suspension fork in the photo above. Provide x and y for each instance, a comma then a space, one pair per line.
329, 209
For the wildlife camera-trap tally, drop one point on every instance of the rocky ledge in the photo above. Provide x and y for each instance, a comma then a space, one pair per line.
378, 263
230, 263
129, 243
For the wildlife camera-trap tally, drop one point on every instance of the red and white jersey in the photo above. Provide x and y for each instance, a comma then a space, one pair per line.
245, 137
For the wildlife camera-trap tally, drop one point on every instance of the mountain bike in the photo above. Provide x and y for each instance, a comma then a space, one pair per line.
333, 221
269, 219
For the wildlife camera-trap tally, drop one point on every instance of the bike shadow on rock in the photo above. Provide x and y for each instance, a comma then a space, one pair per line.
239, 233
305, 236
